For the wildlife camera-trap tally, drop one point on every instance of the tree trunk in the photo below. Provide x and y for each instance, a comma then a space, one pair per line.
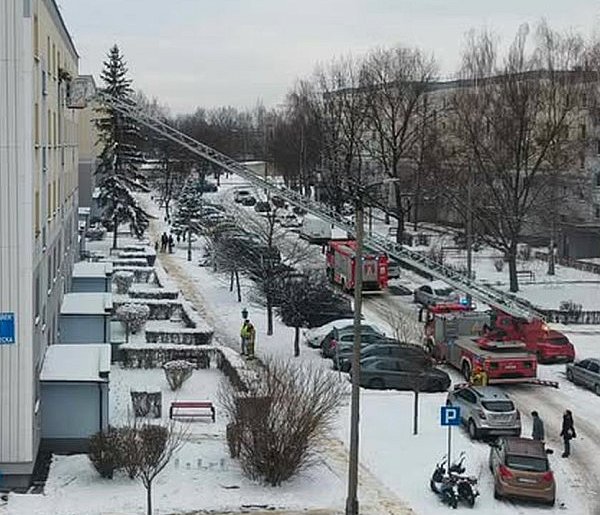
399, 210
269, 315
231, 279
115, 231
296, 341
237, 283
189, 248
149, 499
512, 267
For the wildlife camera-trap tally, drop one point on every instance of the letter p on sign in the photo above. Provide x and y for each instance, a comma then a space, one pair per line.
450, 416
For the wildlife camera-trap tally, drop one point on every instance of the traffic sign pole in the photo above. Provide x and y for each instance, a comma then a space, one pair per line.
449, 447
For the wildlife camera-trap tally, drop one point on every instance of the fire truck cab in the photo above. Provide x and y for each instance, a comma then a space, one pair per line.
341, 266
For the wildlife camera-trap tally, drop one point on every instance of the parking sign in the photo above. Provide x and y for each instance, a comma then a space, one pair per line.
7, 328
450, 416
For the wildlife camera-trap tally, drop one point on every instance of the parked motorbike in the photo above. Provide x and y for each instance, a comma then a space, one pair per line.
443, 486
466, 486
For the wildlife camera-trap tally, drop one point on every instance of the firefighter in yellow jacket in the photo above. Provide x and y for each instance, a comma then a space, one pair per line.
248, 335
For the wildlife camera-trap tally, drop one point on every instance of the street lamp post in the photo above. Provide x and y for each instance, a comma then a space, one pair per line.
352, 499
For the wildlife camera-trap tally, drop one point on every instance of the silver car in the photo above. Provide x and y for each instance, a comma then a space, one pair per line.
434, 293
486, 411
585, 372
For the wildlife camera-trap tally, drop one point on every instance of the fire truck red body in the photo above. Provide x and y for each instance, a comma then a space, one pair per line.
454, 336
341, 257
548, 345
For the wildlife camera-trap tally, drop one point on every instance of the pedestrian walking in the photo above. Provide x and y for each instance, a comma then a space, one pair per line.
171, 243
164, 240
156, 246
244, 335
537, 432
567, 432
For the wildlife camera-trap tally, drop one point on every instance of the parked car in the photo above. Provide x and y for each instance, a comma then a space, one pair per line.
289, 221
346, 335
521, 470
314, 337
209, 187
393, 269
486, 411
385, 349
248, 201
298, 211
401, 374
434, 293
277, 201
586, 373
241, 195
262, 207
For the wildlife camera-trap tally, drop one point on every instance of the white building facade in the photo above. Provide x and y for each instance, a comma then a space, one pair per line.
38, 214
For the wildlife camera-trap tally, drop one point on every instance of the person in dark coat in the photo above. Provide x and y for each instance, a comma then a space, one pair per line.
164, 240
171, 242
567, 432
537, 432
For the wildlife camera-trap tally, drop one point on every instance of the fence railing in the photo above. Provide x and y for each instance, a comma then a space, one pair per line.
584, 266
569, 317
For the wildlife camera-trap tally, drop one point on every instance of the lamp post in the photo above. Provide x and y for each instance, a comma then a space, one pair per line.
352, 498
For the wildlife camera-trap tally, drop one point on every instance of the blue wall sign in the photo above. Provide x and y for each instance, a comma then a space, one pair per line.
450, 416
7, 328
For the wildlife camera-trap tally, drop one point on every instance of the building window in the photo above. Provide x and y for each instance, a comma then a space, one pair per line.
49, 127
36, 124
48, 51
598, 179
49, 274
36, 36
582, 161
54, 60
597, 211
583, 130
598, 147
49, 202
37, 299
36, 209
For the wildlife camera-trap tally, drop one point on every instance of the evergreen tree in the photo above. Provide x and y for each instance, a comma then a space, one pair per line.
189, 211
118, 174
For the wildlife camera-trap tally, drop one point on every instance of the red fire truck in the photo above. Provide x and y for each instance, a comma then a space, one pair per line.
548, 345
340, 266
454, 336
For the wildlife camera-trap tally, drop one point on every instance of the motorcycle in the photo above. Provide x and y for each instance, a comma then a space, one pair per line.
442, 485
466, 486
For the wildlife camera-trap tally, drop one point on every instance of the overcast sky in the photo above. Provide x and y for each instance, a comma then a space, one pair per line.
191, 53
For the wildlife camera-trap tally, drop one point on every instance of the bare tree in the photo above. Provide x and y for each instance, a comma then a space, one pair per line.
278, 424
396, 83
512, 121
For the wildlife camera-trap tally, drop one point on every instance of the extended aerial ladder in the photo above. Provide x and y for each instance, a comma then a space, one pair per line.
416, 260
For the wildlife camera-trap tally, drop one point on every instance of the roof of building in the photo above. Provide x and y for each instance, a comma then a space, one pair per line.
86, 304
60, 22
76, 362
92, 269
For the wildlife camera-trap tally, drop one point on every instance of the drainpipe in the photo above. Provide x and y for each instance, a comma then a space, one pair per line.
101, 403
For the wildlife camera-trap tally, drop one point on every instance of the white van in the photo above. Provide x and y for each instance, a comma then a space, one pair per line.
315, 230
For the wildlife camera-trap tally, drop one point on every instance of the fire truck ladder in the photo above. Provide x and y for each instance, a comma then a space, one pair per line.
417, 260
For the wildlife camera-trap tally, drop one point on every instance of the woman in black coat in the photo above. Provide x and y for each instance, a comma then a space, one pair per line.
567, 432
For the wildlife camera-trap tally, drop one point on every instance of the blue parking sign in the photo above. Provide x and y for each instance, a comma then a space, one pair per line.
450, 416
7, 328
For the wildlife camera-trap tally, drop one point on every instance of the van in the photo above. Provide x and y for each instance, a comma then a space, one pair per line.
315, 230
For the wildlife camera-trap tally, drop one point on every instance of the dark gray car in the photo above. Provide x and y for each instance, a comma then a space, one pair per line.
385, 350
399, 374
347, 336
586, 373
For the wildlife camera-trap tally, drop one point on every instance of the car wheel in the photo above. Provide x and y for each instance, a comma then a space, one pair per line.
597, 389
473, 431
496, 494
570, 375
376, 383
466, 371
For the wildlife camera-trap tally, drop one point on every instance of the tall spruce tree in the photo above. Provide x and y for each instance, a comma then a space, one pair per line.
117, 175
189, 211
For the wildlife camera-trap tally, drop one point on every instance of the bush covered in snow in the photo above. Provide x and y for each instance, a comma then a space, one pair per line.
178, 372
104, 452
123, 281
499, 264
133, 316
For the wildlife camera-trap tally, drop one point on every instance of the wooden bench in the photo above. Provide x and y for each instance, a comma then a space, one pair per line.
527, 274
192, 409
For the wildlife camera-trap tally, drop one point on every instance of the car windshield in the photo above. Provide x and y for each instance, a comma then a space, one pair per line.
498, 406
559, 340
443, 292
527, 463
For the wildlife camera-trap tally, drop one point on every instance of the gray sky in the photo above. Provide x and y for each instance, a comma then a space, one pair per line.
191, 53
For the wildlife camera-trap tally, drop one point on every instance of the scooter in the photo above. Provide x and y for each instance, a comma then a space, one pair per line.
466, 486
443, 485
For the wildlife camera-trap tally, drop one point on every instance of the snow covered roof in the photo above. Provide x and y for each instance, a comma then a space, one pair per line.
90, 269
86, 304
76, 362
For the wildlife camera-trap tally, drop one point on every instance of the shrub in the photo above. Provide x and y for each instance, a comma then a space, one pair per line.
178, 372
524, 252
123, 281
277, 425
133, 316
104, 452
499, 264
571, 309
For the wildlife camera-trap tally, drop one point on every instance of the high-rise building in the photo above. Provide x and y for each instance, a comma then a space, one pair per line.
38, 214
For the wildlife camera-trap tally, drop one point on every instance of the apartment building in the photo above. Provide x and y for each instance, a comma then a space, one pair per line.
38, 214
